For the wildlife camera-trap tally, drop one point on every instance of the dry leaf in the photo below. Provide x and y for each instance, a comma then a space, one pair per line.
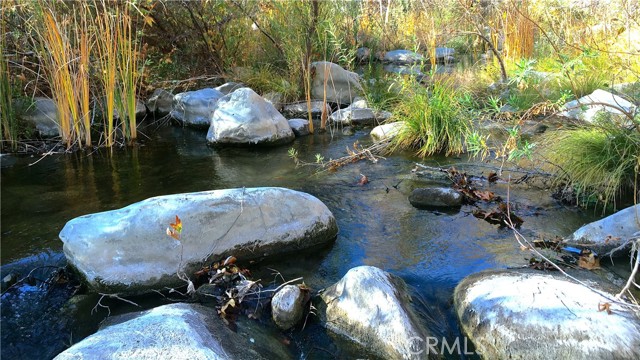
589, 261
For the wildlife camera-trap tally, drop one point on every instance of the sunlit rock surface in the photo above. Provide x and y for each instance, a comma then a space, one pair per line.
246, 118
604, 235
128, 250
175, 331
533, 315
373, 308
333, 83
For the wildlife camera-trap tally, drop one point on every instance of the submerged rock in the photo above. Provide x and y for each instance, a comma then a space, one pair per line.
372, 307
300, 127
175, 331
386, 131
246, 118
334, 83
43, 114
287, 306
587, 107
524, 315
194, 108
127, 250
435, 197
606, 234
160, 102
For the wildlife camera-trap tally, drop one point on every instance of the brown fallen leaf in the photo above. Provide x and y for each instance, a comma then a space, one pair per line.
589, 261
493, 177
605, 307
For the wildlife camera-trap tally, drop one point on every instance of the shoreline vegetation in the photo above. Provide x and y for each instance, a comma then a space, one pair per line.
98, 61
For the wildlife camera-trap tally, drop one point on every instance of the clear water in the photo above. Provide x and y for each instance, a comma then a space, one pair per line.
431, 251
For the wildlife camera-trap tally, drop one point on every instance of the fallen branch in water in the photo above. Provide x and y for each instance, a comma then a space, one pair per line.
113, 296
356, 153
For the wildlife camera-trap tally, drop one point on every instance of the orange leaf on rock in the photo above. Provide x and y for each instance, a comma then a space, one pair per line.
177, 226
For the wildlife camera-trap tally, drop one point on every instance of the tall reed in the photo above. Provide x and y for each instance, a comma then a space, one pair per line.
7, 114
107, 50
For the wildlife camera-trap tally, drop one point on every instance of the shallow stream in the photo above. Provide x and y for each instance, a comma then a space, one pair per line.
431, 251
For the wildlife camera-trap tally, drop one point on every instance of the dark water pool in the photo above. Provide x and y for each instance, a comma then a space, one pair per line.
431, 251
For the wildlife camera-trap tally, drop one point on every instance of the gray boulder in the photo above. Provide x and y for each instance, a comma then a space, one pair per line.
302, 109
359, 114
228, 88
363, 54
444, 54
160, 102
287, 306
387, 131
435, 197
587, 107
141, 110
127, 250
300, 127
334, 82
404, 69
606, 234
43, 114
194, 108
175, 331
373, 308
246, 118
525, 315
402, 57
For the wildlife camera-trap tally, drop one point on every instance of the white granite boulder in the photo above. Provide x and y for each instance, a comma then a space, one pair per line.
334, 83
587, 107
246, 118
517, 314
387, 131
128, 251
174, 331
373, 308
194, 108
606, 234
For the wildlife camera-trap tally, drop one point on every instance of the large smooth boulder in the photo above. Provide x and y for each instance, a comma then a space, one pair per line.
302, 109
587, 107
287, 306
160, 102
444, 54
334, 83
517, 314
607, 234
127, 250
175, 331
387, 131
402, 57
246, 118
435, 198
43, 114
373, 308
194, 108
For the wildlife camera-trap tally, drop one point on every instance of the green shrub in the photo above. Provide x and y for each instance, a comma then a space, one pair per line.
436, 122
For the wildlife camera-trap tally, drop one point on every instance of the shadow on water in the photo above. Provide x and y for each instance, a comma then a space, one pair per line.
431, 251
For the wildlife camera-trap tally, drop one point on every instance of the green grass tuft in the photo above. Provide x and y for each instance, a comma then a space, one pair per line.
436, 122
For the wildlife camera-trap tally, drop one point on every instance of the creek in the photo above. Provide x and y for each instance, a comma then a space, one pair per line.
432, 251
